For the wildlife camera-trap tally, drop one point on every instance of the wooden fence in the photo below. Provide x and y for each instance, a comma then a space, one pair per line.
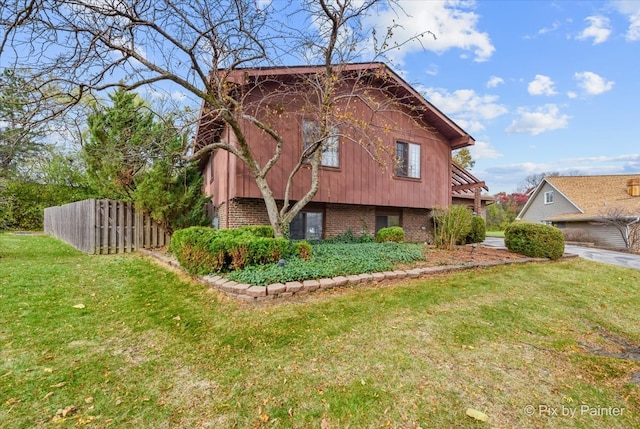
103, 227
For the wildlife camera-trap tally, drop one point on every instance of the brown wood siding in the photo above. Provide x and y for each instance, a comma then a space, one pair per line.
358, 179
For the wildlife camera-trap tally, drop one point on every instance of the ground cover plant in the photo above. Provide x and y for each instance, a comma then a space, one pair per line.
118, 341
331, 260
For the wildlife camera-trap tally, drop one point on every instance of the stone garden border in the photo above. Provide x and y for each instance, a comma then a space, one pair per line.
258, 294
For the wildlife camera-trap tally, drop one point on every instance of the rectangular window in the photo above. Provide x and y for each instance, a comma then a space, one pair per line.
387, 217
548, 197
407, 160
306, 226
330, 144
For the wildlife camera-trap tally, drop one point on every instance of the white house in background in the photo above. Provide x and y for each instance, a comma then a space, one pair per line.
604, 210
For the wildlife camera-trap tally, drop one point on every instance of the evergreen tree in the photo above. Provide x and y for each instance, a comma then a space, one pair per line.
133, 156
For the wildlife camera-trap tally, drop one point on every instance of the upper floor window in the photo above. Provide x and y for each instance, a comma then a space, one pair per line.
407, 160
330, 145
548, 197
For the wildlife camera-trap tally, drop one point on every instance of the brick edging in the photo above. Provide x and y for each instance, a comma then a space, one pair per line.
256, 294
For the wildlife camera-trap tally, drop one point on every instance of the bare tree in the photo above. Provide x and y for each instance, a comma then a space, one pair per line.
626, 223
88, 47
533, 180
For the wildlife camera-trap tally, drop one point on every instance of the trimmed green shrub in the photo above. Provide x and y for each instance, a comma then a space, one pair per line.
202, 250
302, 249
478, 230
535, 240
193, 249
257, 230
392, 233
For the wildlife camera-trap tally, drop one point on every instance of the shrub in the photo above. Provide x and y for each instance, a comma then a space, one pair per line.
478, 230
535, 240
451, 225
257, 230
201, 250
302, 249
392, 233
192, 248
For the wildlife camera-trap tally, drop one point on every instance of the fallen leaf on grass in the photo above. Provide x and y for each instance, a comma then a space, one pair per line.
48, 395
61, 384
67, 411
478, 415
12, 401
79, 306
324, 424
48, 370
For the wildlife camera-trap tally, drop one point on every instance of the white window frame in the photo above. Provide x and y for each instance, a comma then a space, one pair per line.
409, 166
330, 146
548, 197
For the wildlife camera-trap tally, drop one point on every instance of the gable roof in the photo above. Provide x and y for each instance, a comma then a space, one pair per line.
378, 73
593, 196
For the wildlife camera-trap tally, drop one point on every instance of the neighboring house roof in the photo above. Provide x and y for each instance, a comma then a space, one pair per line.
377, 73
594, 197
464, 184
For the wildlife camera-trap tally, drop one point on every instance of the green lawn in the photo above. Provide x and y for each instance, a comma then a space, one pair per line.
118, 341
495, 233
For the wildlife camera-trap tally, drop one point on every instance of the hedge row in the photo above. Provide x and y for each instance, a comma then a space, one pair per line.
203, 250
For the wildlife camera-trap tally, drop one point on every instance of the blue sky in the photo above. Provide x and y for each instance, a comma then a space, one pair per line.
540, 85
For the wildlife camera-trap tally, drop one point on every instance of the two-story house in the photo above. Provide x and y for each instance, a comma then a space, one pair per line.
396, 177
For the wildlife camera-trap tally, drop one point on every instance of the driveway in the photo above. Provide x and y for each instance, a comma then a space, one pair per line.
591, 253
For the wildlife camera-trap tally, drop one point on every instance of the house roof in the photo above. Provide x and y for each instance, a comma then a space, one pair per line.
378, 73
593, 196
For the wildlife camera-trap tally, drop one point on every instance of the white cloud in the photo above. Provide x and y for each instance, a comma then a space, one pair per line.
592, 83
432, 70
453, 22
633, 33
572, 94
632, 10
554, 27
544, 118
494, 81
635, 157
541, 85
483, 150
599, 29
466, 107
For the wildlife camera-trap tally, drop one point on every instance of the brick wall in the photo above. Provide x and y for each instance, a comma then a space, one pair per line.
245, 211
417, 225
339, 218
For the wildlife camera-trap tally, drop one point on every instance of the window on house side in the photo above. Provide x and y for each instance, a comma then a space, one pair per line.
407, 160
548, 197
330, 145
385, 221
306, 226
